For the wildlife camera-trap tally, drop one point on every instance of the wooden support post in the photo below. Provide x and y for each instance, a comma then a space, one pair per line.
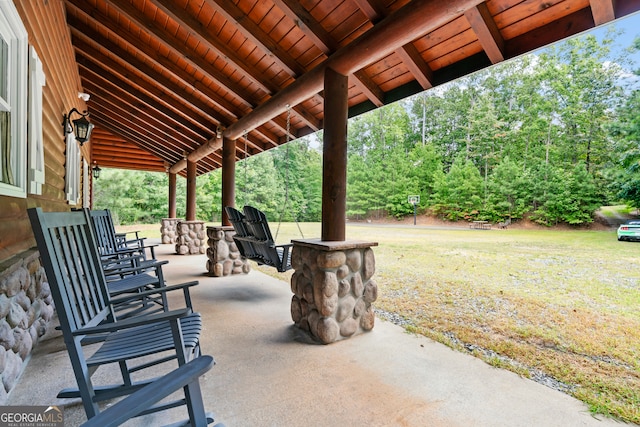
334, 156
228, 177
172, 195
191, 191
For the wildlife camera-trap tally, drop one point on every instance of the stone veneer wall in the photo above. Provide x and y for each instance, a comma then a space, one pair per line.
223, 256
191, 238
333, 288
26, 307
168, 230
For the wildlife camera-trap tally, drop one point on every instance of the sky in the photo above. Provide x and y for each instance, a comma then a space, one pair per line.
631, 28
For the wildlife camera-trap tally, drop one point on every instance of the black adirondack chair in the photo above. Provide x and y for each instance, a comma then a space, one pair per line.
278, 256
74, 271
185, 377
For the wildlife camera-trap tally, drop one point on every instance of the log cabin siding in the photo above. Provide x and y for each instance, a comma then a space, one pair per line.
45, 22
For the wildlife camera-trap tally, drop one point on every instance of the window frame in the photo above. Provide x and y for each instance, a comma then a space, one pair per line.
11, 27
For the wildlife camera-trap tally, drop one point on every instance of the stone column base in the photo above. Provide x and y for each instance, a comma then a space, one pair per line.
191, 238
223, 256
26, 311
333, 288
168, 230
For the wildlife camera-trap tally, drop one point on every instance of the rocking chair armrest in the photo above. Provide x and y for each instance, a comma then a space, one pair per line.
147, 396
163, 289
109, 269
133, 322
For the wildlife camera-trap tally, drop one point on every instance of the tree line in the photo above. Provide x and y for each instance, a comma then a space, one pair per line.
549, 136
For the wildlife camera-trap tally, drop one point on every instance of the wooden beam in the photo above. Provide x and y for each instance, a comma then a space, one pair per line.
398, 29
487, 31
602, 11
334, 156
371, 9
369, 88
172, 195
191, 191
417, 67
327, 44
228, 177
308, 25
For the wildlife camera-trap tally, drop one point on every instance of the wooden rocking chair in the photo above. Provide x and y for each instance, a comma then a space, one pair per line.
186, 377
74, 270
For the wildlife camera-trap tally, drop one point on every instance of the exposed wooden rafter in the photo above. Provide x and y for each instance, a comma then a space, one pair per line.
165, 76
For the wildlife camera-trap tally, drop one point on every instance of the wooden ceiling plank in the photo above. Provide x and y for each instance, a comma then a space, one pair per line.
184, 113
144, 128
254, 33
602, 11
487, 31
231, 111
560, 29
121, 129
182, 51
307, 23
182, 18
200, 31
136, 139
160, 111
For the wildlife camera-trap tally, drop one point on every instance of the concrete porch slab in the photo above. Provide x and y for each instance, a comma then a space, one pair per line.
268, 373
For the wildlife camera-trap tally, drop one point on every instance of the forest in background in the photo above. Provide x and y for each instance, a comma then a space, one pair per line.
550, 136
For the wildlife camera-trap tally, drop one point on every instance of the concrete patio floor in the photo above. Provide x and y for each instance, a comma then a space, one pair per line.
268, 373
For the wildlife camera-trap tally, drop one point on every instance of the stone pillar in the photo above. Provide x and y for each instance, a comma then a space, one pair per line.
333, 288
191, 238
26, 309
168, 230
224, 258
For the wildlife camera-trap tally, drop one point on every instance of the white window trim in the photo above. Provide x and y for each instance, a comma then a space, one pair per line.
36, 146
72, 166
11, 23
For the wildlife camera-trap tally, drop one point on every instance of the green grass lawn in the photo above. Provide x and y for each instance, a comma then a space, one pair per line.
564, 305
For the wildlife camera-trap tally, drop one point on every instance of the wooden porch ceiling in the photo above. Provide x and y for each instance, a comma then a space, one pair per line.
165, 75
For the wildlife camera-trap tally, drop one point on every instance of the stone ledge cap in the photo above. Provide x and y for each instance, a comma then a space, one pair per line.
220, 227
334, 246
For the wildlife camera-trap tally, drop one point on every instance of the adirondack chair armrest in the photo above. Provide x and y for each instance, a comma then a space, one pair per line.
133, 322
134, 296
138, 402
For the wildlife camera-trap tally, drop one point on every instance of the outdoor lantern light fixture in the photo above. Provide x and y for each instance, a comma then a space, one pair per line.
81, 127
96, 170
